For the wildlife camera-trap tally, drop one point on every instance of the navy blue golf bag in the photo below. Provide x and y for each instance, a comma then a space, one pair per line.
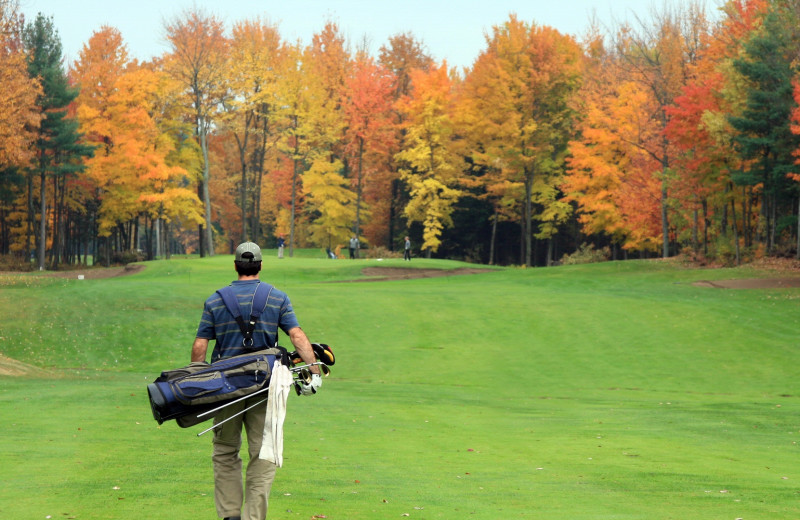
187, 392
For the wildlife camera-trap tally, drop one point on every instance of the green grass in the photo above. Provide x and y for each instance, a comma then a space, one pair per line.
607, 391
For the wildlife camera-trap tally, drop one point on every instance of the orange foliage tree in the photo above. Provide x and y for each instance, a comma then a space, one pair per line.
699, 128
400, 55
197, 61
369, 135
19, 120
128, 111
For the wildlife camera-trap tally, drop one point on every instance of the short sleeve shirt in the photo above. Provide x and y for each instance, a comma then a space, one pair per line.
217, 322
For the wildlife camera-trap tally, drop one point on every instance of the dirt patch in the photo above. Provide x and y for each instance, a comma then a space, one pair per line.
379, 274
751, 283
91, 273
784, 273
12, 367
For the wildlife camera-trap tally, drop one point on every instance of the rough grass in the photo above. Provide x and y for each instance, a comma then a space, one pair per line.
614, 390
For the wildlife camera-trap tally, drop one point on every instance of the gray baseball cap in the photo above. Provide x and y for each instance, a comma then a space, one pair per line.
248, 247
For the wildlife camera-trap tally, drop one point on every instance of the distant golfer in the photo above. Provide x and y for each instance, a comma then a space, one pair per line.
281, 244
407, 249
234, 500
353, 246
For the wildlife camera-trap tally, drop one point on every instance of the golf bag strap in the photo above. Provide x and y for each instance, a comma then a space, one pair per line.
260, 298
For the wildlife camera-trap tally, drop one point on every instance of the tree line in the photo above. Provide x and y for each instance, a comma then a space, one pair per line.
670, 133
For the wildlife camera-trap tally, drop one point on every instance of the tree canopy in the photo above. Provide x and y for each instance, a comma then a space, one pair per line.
669, 133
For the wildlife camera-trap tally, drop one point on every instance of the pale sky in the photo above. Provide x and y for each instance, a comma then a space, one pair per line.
452, 30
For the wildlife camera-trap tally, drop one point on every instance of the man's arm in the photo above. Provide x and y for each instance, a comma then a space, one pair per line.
200, 348
303, 347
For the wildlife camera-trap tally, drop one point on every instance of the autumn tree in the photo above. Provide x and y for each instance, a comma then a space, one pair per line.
369, 135
699, 128
19, 121
330, 202
520, 90
402, 54
311, 124
130, 111
604, 178
251, 108
101, 61
197, 60
656, 53
431, 164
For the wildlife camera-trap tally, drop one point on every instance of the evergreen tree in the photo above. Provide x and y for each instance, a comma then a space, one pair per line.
58, 148
764, 135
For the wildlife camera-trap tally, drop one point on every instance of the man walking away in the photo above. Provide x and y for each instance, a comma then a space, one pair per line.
234, 499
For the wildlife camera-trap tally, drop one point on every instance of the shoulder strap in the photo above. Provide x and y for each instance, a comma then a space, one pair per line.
260, 298
232, 304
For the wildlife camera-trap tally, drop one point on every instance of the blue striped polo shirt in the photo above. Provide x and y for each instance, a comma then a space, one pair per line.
218, 323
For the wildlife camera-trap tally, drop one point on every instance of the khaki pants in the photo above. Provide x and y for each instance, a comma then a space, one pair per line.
228, 488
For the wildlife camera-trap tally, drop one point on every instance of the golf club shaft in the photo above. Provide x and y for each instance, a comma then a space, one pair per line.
248, 396
232, 416
295, 370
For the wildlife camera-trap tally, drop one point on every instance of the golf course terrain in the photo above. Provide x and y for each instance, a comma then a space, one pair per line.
646, 390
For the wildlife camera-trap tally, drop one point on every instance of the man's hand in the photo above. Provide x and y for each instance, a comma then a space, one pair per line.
312, 387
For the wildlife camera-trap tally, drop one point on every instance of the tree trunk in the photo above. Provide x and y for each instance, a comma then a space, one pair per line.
706, 225
664, 217
492, 239
243, 194
358, 191
29, 233
526, 226
209, 238
293, 208
736, 232
43, 217
395, 194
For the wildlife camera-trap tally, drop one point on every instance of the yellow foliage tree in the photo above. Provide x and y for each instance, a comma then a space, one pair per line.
330, 202
432, 164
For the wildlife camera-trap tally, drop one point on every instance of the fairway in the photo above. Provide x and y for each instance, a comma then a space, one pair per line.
619, 390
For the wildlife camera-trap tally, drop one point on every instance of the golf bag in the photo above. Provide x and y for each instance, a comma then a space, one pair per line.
187, 392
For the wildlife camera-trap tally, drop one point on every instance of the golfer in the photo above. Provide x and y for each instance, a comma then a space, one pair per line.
234, 500
281, 245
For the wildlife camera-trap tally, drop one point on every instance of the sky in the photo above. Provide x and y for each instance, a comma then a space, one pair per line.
450, 30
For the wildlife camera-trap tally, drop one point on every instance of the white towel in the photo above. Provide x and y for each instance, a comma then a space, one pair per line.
279, 385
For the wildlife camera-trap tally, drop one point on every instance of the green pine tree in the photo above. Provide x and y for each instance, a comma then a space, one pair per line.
764, 135
58, 147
